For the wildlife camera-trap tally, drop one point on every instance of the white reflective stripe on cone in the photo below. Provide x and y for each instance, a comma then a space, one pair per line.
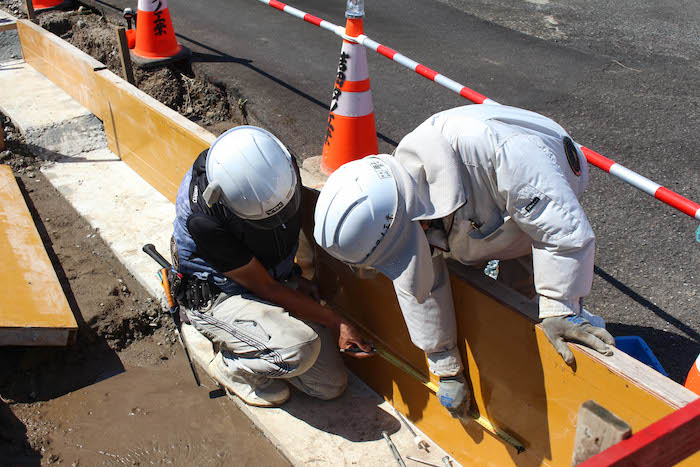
354, 104
150, 5
356, 65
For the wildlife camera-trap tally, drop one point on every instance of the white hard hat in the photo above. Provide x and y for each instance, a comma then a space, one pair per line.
252, 173
361, 218
355, 209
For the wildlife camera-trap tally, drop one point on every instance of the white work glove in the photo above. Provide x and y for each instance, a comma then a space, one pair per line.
576, 329
454, 395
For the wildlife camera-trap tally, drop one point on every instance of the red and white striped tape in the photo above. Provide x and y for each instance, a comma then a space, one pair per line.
659, 192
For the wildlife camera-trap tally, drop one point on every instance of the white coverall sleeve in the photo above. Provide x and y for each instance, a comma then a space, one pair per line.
543, 204
432, 324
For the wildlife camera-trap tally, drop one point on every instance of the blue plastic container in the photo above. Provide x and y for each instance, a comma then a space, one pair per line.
635, 346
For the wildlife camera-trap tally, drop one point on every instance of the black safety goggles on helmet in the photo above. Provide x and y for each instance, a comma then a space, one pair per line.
279, 216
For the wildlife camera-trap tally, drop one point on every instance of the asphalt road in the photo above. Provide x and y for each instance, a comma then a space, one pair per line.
620, 76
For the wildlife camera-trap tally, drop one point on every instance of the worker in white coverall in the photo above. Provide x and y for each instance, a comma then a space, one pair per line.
236, 232
473, 183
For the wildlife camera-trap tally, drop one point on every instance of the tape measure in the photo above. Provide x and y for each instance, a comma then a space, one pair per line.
478, 418
407, 369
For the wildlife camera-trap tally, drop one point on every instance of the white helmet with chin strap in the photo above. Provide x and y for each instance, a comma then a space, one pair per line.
251, 172
355, 209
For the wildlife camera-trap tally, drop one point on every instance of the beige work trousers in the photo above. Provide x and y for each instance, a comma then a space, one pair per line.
263, 339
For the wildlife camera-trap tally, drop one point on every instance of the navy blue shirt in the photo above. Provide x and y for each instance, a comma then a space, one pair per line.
226, 241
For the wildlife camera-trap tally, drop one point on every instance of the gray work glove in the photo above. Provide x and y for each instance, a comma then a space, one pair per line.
454, 395
574, 328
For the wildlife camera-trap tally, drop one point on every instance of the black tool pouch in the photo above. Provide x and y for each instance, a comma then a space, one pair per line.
176, 287
195, 294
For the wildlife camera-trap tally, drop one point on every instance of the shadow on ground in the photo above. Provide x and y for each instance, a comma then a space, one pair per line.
15, 448
675, 352
109, 316
30, 374
365, 423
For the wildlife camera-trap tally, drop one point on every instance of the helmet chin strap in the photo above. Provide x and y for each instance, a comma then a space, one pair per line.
212, 193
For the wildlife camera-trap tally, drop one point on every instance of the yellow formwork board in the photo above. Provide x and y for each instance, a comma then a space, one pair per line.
154, 140
33, 309
8, 26
65, 65
519, 381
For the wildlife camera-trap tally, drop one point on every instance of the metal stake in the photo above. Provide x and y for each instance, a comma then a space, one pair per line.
394, 451
420, 442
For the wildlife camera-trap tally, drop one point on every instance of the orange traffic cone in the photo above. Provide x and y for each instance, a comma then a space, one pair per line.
351, 133
47, 5
155, 36
692, 382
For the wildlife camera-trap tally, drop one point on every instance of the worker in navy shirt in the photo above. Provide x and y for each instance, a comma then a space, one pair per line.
236, 233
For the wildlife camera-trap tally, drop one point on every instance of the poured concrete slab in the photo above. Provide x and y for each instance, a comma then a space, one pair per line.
345, 431
53, 123
10, 48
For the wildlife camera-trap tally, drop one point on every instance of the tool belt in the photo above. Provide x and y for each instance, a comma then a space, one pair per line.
191, 292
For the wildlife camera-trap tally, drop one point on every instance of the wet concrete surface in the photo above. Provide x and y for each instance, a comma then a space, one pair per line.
150, 416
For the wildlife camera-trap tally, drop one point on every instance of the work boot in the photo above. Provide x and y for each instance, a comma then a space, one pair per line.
252, 389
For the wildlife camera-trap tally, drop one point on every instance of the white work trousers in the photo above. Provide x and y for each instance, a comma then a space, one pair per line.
263, 339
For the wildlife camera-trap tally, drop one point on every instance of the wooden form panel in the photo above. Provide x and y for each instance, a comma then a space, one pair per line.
40, 337
666, 442
33, 309
520, 383
8, 26
154, 140
66, 66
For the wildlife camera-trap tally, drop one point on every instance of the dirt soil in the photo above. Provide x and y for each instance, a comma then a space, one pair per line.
199, 98
123, 394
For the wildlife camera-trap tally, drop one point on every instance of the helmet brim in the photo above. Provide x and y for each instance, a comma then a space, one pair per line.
282, 216
404, 256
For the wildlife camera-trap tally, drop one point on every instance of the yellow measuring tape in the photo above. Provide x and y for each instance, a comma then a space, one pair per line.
478, 418
409, 370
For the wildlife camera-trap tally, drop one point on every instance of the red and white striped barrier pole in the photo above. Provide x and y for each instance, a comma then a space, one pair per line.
647, 186
659, 192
